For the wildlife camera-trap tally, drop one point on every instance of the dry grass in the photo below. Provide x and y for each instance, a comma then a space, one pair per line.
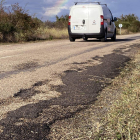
123, 31
53, 33
123, 119
40, 34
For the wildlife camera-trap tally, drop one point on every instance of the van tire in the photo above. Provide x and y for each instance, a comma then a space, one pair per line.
104, 39
85, 38
114, 36
71, 39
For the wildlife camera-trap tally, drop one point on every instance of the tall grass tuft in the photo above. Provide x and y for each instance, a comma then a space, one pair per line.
51, 33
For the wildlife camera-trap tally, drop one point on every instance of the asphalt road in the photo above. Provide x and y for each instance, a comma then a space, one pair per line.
51, 80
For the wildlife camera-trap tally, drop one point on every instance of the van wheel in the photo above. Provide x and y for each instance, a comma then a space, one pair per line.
114, 37
105, 37
85, 38
71, 39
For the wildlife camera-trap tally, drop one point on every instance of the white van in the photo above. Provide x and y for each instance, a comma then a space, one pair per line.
91, 20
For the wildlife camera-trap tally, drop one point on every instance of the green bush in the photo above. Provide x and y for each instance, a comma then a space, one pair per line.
130, 22
60, 23
15, 19
17, 25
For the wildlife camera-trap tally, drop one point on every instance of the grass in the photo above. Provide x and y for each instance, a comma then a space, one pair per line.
122, 122
51, 33
40, 34
123, 31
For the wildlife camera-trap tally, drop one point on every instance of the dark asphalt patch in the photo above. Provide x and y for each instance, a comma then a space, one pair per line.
80, 63
25, 66
28, 93
83, 88
67, 71
80, 89
27, 131
40, 83
29, 66
96, 58
132, 48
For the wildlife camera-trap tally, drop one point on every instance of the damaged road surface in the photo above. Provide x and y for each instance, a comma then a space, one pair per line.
41, 83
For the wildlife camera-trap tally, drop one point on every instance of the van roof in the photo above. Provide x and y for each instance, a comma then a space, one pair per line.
89, 3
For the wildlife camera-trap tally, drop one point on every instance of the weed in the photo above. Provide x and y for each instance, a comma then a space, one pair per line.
50, 37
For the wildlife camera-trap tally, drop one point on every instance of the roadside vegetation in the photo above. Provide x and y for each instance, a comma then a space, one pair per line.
131, 24
122, 122
16, 25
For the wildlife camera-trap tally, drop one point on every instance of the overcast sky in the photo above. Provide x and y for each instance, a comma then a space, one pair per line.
48, 9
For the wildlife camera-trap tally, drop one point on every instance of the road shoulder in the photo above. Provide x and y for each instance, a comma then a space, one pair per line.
77, 110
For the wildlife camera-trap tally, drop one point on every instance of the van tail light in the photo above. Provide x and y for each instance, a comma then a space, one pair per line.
102, 20
69, 22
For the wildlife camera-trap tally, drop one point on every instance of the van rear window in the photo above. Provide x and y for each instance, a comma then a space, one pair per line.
80, 13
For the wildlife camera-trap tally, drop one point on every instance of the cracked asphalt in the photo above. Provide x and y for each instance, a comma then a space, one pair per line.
43, 82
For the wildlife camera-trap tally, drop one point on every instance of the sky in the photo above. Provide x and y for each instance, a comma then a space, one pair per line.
48, 9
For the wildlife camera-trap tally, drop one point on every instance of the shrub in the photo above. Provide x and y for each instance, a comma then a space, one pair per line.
17, 25
130, 22
60, 23
15, 19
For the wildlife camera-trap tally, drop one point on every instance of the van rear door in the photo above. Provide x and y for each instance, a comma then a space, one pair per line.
86, 19
94, 19
79, 19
